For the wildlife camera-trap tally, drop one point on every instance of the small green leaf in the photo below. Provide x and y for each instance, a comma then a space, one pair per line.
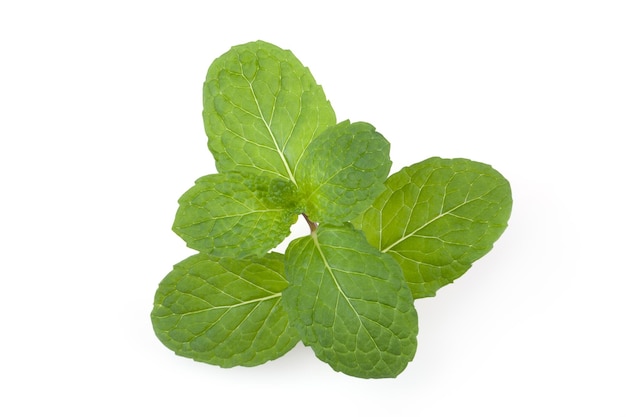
236, 215
262, 108
350, 303
343, 171
225, 312
437, 217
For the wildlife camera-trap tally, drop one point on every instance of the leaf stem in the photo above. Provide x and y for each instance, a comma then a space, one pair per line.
312, 225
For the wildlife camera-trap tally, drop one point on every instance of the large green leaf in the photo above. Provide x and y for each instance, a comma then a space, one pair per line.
342, 172
236, 215
437, 217
225, 312
262, 108
350, 303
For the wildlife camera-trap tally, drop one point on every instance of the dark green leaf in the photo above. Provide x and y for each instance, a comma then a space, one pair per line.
350, 303
225, 312
343, 171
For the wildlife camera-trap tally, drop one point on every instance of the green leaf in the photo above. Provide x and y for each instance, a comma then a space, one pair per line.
437, 217
225, 312
350, 303
262, 108
236, 215
343, 171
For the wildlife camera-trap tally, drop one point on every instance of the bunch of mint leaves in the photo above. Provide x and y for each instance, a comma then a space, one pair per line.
377, 243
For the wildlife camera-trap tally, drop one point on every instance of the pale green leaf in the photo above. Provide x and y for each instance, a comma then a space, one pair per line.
236, 215
262, 108
225, 312
350, 303
343, 171
437, 217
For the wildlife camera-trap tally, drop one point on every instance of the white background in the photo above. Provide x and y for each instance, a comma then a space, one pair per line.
101, 132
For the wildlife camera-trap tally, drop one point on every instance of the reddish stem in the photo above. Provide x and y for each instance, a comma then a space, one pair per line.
312, 225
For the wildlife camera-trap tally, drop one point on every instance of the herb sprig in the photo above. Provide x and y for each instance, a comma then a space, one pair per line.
377, 242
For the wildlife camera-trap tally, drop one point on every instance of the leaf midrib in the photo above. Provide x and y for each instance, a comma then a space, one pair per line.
229, 307
340, 289
269, 130
434, 219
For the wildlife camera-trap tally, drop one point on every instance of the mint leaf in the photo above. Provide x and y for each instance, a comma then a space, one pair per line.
437, 217
236, 215
343, 171
350, 303
346, 293
262, 108
225, 312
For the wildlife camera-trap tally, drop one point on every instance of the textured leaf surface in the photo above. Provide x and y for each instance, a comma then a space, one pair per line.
236, 215
262, 108
350, 303
343, 170
225, 312
437, 217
